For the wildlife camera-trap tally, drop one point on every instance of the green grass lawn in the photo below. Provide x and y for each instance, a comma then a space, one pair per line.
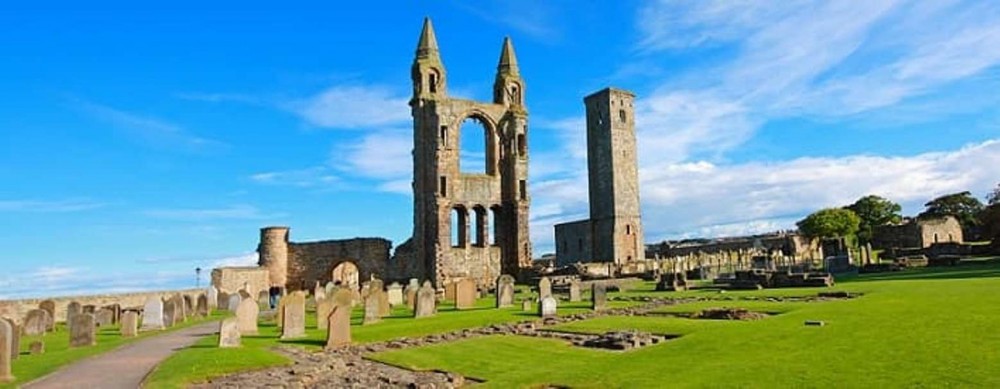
58, 353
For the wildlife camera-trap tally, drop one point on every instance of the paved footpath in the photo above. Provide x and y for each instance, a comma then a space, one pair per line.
126, 366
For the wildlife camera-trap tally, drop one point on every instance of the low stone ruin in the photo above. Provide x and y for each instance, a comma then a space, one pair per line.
672, 282
760, 279
728, 314
623, 340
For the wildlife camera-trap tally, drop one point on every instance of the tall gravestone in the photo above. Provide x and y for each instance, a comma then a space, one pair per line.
449, 290
83, 331
72, 309
213, 298
293, 323
246, 316
598, 296
465, 294
339, 330
411, 293
6, 341
170, 313
50, 307
130, 324
15, 338
229, 333
425, 305
547, 307
574, 290
505, 291
202, 305
152, 314
323, 310
372, 310
36, 322
377, 290
395, 294
544, 287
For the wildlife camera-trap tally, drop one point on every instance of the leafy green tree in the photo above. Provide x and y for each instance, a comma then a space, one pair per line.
830, 223
961, 205
875, 211
989, 219
993, 197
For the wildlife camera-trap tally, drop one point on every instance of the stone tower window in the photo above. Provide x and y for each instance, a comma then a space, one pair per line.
444, 135
495, 221
523, 189
432, 78
443, 186
522, 146
628, 229
621, 115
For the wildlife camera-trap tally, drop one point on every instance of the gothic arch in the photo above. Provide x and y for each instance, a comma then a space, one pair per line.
491, 135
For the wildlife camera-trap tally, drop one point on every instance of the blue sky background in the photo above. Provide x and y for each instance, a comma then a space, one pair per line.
140, 143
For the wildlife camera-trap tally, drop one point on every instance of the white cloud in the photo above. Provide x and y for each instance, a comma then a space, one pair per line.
53, 206
353, 107
152, 131
242, 260
319, 176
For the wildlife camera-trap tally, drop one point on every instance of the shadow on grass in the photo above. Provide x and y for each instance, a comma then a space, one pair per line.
304, 342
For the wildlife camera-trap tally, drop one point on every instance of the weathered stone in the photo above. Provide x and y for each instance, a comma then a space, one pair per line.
465, 294
15, 339
372, 312
6, 344
319, 292
36, 348
411, 293
426, 303
116, 312
234, 302
82, 331
104, 317
245, 294
189, 305
180, 308
574, 291
170, 313
330, 288
230, 333
526, 306
50, 307
544, 287
72, 309
246, 316
264, 300
323, 310
598, 296
450, 290
293, 318
395, 294
505, 291
223, 301
202, 307
152, 314
547, 306
36, 322
213, 298
129, 324
91, 309
339, 332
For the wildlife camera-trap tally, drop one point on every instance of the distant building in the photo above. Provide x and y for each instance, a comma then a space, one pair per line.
918, 233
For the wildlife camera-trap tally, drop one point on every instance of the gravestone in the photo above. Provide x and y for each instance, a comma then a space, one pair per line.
169, 313
213, 298
72, 309
411, 293
465, 294
15, 339
294, 316
152, 314
229, 333
36, 348
104, 317
319, 292
245, 294
234, 302
323, 310
6, 342
526, 305
36, 322
377, 290
116, 311
339, 332
264, 300
82, 331
425, 305
180, 308
598, 296
395, 294
372, 310
130, 324
505, 291
544, 287
547, 307
574, 291
330, 288
246, 316
50, 307
188, 306
223, 301
449, 290
202, 307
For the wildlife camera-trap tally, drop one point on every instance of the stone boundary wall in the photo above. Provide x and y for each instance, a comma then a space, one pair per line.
17, 309
232, 279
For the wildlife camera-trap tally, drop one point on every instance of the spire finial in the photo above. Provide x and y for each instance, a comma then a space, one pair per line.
508, 61
428, 44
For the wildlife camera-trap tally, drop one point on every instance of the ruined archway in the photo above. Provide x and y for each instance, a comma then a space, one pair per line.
346, 273
477, 145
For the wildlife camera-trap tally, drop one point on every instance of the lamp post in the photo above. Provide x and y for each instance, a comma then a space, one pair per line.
197, 277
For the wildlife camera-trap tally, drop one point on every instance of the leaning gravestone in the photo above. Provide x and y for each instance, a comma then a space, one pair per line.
544, 287
130, 323
72, 309
293, 322
395, 294
170, 313
15, 339
104, 317
49, 306
323, 310
229, 333
574, 291
202, 306
82, 331
6, 341
372, 312
465, 294
36, 322
246, 316
598, 296
505, 291
339, 332
213, 298
425, 301
234, 302
547, 307
152, 314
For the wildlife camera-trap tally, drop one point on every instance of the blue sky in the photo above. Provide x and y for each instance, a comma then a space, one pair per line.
140, 143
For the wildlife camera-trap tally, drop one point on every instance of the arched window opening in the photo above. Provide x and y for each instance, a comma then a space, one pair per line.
473, 146
523, 187
622, 116
433, 82
480, 226
444, 136
345, 274
443, 186
522, 146
459, 227
495, 221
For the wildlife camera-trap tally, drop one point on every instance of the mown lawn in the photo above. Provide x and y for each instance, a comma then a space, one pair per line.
58, 353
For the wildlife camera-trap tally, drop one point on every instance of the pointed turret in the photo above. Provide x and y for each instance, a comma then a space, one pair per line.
427, 71
508, 61
427, 46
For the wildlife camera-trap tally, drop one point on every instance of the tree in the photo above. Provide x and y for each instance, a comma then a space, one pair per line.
875, 211
830, 223
989, 219
961, 205
993, 198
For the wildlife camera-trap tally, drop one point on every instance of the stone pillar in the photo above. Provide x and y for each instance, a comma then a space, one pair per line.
273, 251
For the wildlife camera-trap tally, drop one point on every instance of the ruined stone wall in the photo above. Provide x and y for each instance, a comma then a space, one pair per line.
918, 234
17, 309
788, 244
943, 230
314, 261
574, 242
232, 279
